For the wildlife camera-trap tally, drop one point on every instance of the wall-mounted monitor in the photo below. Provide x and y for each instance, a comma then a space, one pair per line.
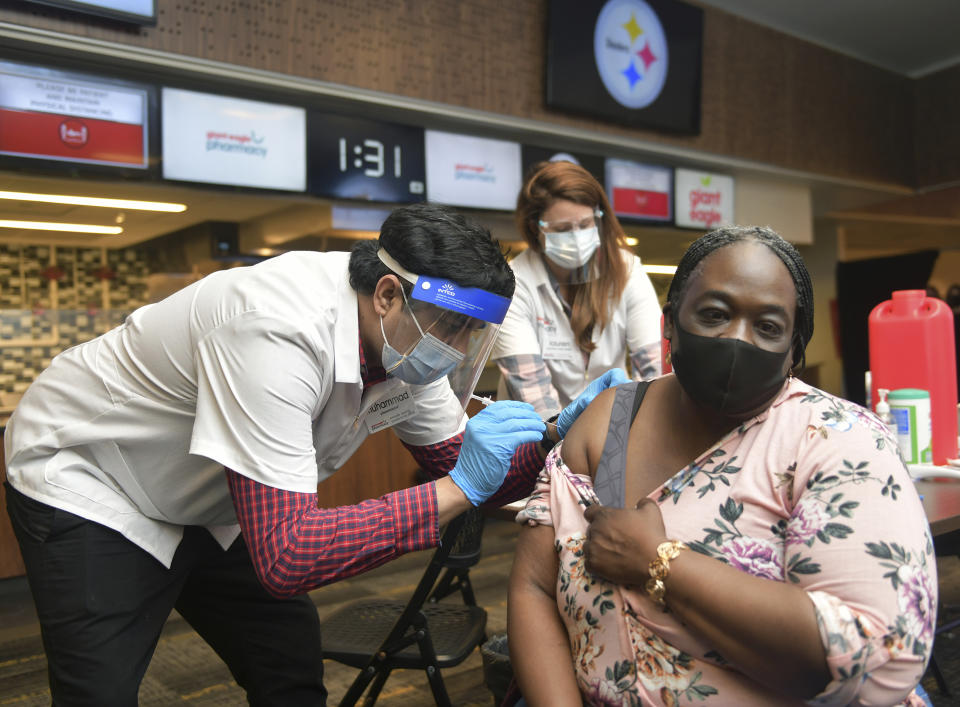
355, 158
49, 114
703, 200
233, 141
142, 12
636, 62
533, 154
477, 172
640, 192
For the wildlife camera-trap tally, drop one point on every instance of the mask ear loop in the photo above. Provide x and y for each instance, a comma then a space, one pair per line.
407, 305
384, 334
402, 357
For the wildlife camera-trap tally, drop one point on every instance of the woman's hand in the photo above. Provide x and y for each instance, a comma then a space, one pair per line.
621, 542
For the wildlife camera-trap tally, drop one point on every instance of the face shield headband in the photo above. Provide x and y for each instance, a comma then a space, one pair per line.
453, 347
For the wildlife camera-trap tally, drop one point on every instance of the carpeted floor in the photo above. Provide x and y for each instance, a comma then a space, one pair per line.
185, 670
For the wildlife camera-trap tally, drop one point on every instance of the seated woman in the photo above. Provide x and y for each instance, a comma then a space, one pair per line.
778, 554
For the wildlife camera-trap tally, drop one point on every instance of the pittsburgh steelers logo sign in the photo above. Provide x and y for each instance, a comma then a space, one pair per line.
630, 49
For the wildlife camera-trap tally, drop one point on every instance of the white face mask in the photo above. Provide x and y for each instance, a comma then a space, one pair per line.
571, 249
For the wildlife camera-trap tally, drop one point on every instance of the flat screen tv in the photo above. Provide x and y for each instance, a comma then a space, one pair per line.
233, 141
704, 200
358, 158
533, 155
640, 192
141, 12
636, 62
58, 116
478, 172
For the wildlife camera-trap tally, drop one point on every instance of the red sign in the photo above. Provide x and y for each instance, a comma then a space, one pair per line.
59, 115
641, 202
48, 135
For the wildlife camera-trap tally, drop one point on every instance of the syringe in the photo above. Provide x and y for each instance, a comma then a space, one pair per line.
482, 400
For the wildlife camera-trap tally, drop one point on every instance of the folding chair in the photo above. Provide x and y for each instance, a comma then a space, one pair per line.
464, 554
379, 635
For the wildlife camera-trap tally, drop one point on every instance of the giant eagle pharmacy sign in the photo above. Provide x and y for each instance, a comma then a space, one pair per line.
703, 200
630, 49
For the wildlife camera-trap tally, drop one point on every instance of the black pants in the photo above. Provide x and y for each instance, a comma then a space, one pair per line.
102, 602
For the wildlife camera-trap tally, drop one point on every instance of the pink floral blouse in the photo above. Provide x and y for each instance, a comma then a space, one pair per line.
812, 491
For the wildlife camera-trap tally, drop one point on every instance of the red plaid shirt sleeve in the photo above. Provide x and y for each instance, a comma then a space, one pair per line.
296, 546
438, 459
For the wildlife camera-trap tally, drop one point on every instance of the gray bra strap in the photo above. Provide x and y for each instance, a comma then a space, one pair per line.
610, 479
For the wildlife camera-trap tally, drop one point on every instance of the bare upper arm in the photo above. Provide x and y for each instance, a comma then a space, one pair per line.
535, 562
584, 442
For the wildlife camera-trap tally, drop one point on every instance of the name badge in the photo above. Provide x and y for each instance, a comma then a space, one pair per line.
397, 406
553, 345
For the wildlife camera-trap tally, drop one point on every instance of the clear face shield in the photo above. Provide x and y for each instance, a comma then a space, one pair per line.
445, 330
573, 246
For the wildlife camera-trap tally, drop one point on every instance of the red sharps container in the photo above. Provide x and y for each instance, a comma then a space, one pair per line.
912, 346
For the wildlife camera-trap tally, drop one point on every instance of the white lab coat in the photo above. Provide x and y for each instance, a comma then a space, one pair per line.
537, 324
256, 369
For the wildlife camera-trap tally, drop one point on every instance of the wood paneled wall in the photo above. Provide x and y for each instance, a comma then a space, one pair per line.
766, 97
381, 465
938, 128
11, 563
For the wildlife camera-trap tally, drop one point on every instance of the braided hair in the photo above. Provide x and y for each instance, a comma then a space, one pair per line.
721, 237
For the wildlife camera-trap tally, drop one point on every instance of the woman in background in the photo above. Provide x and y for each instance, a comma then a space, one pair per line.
778, 553
583, 302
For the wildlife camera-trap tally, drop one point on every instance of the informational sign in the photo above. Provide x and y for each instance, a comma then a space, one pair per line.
633, 61
704, 200
55, 115
639, 191
221, 140
592, 163
472, 171
139, 11
357, 218
354, 158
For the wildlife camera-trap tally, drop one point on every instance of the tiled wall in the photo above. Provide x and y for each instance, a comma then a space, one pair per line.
39, 319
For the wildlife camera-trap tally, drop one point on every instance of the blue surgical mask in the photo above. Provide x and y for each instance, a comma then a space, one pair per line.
430, 360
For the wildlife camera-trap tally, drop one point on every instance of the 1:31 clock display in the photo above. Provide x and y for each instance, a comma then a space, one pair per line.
352, 158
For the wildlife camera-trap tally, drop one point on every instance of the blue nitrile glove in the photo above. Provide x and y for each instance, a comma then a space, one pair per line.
491, 438
569, 415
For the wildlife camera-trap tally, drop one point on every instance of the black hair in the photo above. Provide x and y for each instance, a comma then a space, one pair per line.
721, 237
433, 240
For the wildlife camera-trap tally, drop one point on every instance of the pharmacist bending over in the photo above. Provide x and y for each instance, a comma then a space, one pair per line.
133, 456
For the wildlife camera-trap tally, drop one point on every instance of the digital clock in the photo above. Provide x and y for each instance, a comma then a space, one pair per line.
356, 158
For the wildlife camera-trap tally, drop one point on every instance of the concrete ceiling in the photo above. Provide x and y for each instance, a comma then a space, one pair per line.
202, 205
909, 37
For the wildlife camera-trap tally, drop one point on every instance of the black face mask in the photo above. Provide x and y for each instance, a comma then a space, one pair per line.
728, 375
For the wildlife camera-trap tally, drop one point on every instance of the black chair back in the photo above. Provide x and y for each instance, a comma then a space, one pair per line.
378, 635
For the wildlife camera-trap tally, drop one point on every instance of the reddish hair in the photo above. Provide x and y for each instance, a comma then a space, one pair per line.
546, 183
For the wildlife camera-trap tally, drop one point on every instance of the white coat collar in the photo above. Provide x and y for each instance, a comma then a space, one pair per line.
538, 269
346, 343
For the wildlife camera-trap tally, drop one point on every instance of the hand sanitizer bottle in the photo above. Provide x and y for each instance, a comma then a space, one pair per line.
883, 410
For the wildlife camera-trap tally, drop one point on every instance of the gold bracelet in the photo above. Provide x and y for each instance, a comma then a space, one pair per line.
660, 569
